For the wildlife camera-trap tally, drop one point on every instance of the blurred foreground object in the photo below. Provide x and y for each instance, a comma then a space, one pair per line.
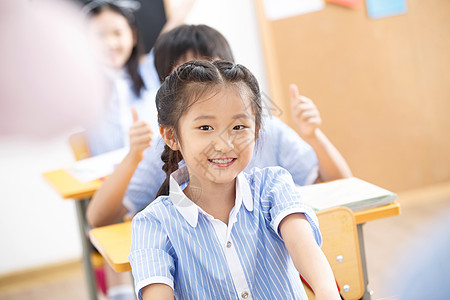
50, 79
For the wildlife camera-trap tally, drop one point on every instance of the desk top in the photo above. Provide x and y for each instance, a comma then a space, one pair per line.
114, 241
69, 187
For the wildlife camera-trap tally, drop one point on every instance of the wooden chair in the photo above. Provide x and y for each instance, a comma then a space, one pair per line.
341, 247
78, 143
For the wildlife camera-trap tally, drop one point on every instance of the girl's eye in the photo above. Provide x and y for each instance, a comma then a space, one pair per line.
238, 127
205, 127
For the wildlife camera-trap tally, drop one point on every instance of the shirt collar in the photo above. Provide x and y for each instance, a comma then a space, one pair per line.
243, 190
189, 210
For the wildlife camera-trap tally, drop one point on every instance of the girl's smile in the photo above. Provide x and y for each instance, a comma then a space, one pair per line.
222, 162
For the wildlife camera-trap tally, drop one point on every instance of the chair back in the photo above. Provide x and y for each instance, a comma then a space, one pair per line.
341, 247
78, 143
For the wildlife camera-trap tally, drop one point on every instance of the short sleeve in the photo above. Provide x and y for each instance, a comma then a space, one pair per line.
280, 198
150, 255
293, 153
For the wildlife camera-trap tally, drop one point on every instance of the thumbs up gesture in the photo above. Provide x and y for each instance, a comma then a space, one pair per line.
304, 113
140, 136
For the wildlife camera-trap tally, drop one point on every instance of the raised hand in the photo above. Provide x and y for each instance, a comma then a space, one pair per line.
304, 113
140, 136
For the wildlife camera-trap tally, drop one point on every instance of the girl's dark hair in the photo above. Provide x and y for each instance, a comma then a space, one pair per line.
199, 40
185, 86
94, 8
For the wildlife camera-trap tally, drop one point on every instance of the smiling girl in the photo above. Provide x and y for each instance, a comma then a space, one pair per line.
134, 80
215, 232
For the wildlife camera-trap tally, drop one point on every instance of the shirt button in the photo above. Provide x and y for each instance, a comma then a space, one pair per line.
228, 244
244, 295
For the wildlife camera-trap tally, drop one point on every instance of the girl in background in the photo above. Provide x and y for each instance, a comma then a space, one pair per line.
134, 81
130, 114
219, 233
133, 75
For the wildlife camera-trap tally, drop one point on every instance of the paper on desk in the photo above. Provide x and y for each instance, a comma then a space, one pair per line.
353, 193
98, 166
280, 9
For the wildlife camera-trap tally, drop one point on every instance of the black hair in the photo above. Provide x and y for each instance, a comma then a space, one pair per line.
201, 41
93, 9
185, 85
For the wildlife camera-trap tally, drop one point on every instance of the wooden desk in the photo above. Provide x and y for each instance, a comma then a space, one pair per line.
381, 212
70, 188
114, 241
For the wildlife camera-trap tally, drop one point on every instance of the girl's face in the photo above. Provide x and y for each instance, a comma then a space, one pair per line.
114, 36
218, 135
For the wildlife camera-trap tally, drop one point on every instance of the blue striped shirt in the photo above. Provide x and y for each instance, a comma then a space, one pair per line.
176, 243
278, 145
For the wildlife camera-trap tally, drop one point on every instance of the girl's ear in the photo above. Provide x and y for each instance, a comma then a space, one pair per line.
168, 135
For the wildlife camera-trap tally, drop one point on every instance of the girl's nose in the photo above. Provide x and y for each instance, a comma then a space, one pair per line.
223, 143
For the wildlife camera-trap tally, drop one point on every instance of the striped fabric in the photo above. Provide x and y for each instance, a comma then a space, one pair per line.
278, 145
111, 131
176, 243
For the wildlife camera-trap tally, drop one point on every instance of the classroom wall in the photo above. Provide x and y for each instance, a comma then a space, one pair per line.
382, 86
37, 227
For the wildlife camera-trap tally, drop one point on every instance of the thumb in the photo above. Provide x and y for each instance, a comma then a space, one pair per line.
293, 92
134, 114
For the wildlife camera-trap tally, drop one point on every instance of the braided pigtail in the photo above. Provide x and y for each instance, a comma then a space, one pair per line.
171, 159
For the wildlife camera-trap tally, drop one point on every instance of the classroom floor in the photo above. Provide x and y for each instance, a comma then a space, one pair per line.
384, 241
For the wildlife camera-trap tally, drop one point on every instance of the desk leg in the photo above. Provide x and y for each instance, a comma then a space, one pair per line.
367, 292
91, 282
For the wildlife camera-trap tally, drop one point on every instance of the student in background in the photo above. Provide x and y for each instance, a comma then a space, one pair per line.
134, 81
279, 144
219, 233
130, 116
